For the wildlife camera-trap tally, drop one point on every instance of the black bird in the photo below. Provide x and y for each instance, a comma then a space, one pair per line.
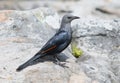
56, 44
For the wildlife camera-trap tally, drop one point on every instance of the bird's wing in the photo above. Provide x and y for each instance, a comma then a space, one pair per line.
54, 42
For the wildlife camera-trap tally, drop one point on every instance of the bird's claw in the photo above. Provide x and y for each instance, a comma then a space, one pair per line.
61, 64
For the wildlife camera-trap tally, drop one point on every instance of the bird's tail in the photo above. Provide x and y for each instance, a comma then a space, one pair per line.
35, 59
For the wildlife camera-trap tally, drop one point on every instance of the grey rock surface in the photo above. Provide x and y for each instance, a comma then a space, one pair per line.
100, 41
23, 33
106, 9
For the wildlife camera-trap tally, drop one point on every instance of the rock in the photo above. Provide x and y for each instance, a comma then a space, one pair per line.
108, 10
83, 8
48, 73
22, 34
100, 40
81, 78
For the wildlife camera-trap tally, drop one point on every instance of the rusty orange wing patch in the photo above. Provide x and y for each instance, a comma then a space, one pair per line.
49, 49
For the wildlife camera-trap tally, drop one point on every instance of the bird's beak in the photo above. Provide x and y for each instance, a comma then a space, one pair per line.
76, 17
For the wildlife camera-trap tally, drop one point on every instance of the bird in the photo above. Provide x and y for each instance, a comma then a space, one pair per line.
56, 44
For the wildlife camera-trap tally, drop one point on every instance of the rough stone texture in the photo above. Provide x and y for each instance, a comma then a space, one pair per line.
100, 42
81, 78
83, 8
23, 33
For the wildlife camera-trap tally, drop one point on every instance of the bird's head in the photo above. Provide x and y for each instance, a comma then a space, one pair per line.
68, 18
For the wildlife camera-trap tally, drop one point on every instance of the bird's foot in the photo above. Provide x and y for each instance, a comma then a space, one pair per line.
62, 64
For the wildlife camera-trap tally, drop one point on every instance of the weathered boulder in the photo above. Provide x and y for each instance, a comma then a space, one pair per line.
23, 33
100, 42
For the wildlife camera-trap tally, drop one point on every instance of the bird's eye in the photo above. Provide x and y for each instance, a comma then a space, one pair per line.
69, 17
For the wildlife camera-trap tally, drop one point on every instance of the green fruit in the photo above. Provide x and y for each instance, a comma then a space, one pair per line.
77, 52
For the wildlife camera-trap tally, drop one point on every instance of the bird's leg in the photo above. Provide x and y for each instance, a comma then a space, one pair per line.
57, 61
